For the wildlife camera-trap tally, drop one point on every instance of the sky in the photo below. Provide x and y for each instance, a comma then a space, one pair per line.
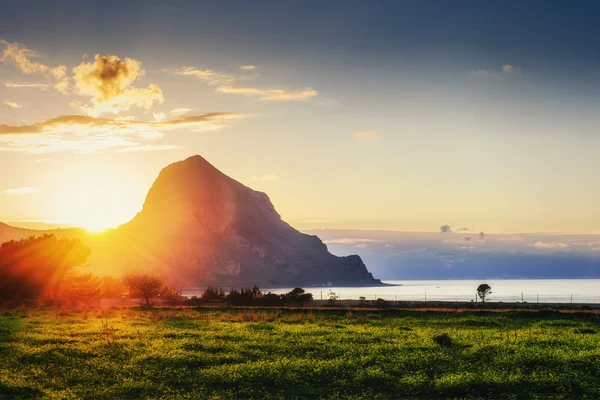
392, 115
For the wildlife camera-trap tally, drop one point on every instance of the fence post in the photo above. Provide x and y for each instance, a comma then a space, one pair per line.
522, 298
425, 296
538, 298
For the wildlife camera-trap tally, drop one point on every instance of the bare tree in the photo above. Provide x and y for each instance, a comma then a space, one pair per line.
144, 285
483, 291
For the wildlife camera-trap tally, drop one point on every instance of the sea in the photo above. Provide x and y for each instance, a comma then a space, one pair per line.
509, 290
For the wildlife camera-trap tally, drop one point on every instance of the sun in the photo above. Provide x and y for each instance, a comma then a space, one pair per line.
97, 200
95, 226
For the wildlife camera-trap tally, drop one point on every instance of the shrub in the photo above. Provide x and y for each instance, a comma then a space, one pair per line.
443, 340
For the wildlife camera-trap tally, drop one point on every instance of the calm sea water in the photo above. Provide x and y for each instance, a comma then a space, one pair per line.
532, 290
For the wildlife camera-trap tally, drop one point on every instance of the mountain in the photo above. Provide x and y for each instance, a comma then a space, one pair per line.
199, 227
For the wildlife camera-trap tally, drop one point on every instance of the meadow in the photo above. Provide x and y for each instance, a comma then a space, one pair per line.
183, 353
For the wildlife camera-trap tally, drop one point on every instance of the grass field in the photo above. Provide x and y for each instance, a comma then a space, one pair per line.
256, 353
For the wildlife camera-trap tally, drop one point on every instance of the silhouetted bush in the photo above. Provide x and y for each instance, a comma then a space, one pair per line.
443, 340
381, 303
247, 297
211, 295
297, 296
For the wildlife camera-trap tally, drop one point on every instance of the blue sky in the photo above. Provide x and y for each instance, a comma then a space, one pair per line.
423, 112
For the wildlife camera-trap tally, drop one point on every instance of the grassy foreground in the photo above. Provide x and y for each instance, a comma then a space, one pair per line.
252, 353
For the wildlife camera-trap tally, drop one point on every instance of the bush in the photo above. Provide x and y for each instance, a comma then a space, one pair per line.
212, 295
443, 340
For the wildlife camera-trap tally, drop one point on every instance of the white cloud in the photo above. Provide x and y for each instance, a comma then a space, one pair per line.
265, 178
506, 69
85, 134
226, 84
21, 191
22, 57
12, 104
26, 85
348, 241
208, 75
550, 245
269, 94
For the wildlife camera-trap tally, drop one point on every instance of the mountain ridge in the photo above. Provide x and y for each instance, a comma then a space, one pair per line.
198, 227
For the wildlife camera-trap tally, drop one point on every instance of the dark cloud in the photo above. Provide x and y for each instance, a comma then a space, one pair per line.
446, 228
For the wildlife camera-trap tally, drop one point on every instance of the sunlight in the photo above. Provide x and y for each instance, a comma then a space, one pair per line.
98, 200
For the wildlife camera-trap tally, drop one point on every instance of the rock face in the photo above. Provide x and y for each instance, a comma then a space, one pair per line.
199, 227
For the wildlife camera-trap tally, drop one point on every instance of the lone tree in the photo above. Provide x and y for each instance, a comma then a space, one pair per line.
144, 285
483, 291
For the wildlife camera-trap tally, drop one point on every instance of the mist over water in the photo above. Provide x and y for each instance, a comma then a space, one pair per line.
532, 290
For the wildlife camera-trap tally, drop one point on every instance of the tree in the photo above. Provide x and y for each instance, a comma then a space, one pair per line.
37, 266
298, 295
143, 285
483, 291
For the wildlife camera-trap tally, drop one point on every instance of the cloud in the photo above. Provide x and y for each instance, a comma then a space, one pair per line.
265, 178
227, 85
366, 135
317, 221
42, 160
348, 241
21, 191
508, 68
108, 81
269, 94
12, 104
446, 228
40, 86
85, 134
22, 58
208, 75
505, 70
550, 245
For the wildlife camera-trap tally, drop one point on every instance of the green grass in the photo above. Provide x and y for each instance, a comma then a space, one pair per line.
179, 354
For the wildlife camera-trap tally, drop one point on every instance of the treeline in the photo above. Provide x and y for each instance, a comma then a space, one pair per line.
253, 296
47, 267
